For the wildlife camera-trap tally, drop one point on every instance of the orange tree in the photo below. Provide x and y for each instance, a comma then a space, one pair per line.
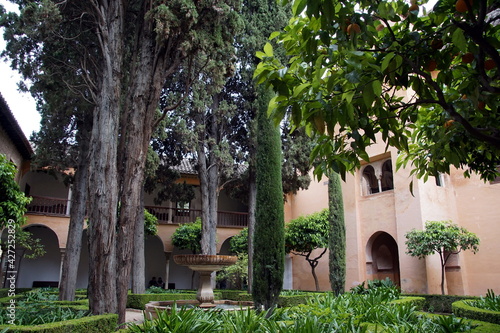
424, 82
443, 238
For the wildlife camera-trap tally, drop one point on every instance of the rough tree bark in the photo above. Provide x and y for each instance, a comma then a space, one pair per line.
147, 79
139, 259
67, 286
103, 179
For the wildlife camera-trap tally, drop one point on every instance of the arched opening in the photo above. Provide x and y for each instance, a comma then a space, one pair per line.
383, 258
43, 271
181, 277
387, 176
82, 279
155, 264
369, 180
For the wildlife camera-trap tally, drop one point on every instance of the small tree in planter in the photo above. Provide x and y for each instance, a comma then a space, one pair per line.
306, 234
443, 238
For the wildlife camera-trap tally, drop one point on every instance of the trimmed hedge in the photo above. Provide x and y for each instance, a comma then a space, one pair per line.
462, 309
19, 298
292, 300
415, 301
101, 323
4, 292
440, 303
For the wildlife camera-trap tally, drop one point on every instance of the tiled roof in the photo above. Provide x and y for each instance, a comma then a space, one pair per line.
9, 123
185, 167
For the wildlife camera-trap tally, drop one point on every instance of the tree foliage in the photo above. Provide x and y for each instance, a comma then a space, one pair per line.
124, 52
337, 237
269, 246
367, 71
305, 234
188, 236
238, 244
443, 238
13, 202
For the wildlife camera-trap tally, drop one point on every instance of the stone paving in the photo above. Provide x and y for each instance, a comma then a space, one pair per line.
134, 315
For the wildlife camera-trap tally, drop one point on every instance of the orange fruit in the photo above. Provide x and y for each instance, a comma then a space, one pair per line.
448, 123
467, 58
353, 28
437, 44
489, 64
431, 65
380, 27
461, 6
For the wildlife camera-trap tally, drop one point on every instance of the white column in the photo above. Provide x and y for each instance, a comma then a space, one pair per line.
63, 257
167, 268
70, 196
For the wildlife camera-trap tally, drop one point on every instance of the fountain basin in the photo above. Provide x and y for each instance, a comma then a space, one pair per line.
205, 265
151, 308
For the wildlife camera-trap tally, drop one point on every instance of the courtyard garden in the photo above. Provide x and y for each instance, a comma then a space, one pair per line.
378, 307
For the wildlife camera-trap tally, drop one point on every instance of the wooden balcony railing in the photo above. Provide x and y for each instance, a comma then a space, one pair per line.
48, 206
167, 215
60, 207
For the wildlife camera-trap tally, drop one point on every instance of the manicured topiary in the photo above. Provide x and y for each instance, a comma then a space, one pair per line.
464, 309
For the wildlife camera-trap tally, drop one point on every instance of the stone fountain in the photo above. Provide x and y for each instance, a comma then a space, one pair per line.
205, 265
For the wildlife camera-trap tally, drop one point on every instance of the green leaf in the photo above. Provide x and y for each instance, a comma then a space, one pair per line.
459, 41
298, 7
386, 61
377, 87
268, 49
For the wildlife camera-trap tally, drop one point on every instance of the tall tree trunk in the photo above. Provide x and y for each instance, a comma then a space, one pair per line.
142, 102
269, 238
103, 179
69, 274
337, 241
205, 199
139, 259
209, 182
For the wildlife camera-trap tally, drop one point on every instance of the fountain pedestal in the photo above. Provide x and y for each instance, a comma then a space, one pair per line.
205, 265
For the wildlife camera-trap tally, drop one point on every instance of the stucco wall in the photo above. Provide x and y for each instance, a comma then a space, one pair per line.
8, 148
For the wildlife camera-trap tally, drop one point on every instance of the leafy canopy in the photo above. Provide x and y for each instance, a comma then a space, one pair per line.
441, 237
425, 83
12, 201
307, 233
239, 243
188, 236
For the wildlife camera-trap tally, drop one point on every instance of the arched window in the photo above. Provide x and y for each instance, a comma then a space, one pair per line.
387, 181
377, 177
370, 180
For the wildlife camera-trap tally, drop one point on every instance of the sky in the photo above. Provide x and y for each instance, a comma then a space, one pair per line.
22, 105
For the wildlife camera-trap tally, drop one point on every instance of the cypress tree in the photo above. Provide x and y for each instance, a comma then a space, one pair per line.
269, 244
337, 235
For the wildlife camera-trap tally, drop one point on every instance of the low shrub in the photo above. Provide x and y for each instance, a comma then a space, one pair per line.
440, 303
465, 309
27, 313
102, 323
490, 302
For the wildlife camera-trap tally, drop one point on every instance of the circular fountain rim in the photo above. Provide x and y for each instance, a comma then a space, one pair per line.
204, 259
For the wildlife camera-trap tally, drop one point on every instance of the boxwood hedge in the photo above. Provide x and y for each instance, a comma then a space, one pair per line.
463, 309
102, 323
